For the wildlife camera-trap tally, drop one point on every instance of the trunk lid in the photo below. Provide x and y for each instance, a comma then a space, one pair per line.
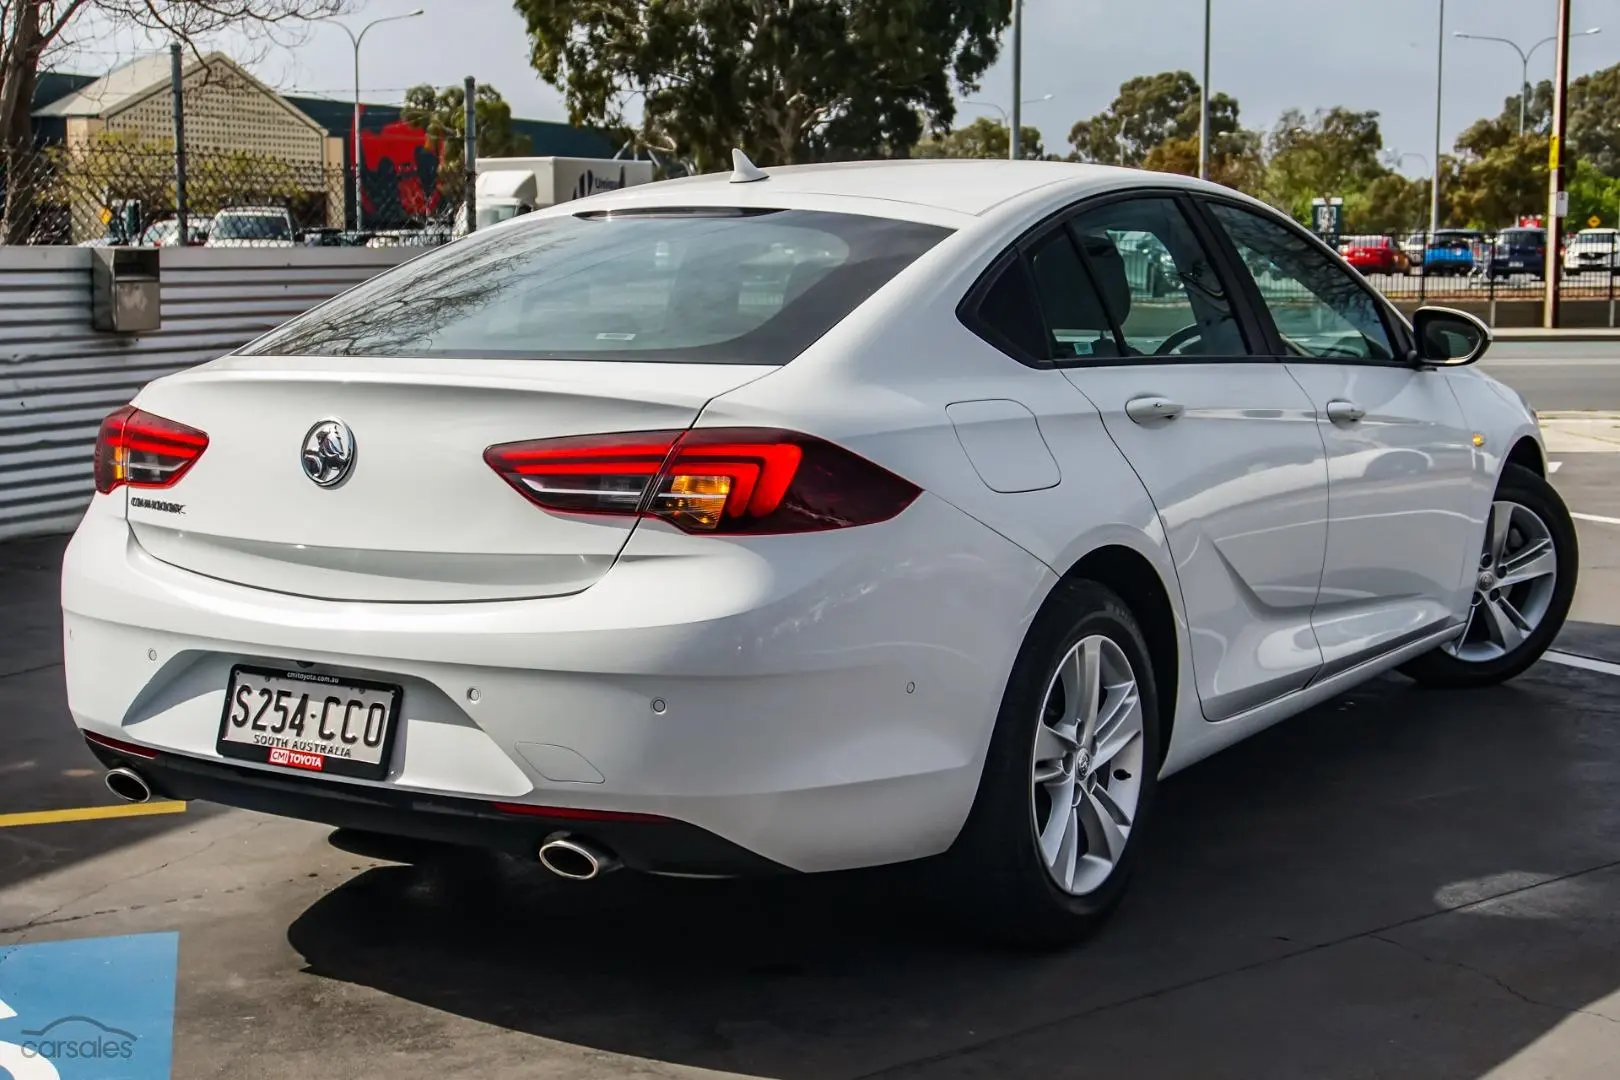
419, 516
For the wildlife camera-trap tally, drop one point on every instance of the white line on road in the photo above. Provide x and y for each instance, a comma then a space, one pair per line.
1600, 519
1585, 663
1554, 466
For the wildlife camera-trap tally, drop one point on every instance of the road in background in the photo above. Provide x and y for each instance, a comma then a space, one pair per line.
1557, 375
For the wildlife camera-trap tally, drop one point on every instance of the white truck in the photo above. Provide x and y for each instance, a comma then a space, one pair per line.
507, 187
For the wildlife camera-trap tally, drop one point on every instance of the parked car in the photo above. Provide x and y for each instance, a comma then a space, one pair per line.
1593, 249
251, 226
543, 543
1413, 246
1374, 254
1451, 251
1518, 251
166, 233
426, 236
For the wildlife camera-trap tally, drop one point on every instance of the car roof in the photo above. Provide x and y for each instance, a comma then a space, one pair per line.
931, 189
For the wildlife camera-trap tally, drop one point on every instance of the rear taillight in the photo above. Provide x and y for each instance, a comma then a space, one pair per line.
709, 480
142, 450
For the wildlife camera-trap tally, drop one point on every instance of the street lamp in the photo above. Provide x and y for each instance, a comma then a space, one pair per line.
1524, 60
356, 39
1439, 97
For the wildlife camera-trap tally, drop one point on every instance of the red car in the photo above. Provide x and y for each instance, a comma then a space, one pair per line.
1374, 254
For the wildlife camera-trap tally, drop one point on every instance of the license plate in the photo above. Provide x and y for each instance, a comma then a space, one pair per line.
308, 721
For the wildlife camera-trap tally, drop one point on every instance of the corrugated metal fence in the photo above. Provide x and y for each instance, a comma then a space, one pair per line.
59, 377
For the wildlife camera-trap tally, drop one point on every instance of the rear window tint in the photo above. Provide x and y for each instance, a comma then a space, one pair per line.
685, 286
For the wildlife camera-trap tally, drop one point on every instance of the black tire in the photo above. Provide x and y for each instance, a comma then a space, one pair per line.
1440, 668
998, 882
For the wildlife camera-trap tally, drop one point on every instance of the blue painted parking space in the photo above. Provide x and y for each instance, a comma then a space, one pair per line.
88, 1009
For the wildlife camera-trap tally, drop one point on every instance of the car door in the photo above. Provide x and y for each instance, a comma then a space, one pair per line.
1403, 525
1223, 440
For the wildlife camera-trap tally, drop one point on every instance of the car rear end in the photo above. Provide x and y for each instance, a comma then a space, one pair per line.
459, 556
1450, 252
1519, 251
1371, 254
1593, 249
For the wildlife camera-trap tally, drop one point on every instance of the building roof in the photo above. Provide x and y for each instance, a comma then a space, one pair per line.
546, 138
53, 85
112, 89
143, 76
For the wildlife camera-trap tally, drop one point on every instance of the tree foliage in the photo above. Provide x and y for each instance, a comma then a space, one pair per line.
442, 114
1149, 111
787, 80
1594, 118
31, 29
984, 138
1331, 152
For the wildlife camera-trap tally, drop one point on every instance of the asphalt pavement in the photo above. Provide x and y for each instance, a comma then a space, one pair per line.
1559, 375
1399, 883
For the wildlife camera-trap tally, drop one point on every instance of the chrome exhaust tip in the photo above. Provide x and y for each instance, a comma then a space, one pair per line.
128, 785
576, 860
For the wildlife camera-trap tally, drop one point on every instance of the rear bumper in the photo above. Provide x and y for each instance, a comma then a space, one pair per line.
821, 702
655, 845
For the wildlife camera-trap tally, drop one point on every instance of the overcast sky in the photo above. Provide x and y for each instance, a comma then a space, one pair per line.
1269, 54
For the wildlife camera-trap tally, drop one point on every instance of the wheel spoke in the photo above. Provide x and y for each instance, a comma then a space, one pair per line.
1060, 824
1506, 626
1536, 561
1501, 522
1088, 673
1122, 727
1104, 837
1111, 806
1462, 639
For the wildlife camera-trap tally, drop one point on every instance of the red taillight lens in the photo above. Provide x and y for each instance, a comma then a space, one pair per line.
142, 450
708, 480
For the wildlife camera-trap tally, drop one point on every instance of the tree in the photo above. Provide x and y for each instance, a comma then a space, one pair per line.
1150, 110
984, 138
1502, 174
788, 82
442, 114
1593, 193
31, 29
1235, 159
1331, 152
1391, 203
1594, 122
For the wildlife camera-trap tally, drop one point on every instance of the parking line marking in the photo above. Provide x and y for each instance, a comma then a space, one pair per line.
92, 813
1601, 520
1585, 663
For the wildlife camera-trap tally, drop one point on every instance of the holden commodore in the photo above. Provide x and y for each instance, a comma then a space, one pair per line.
805, 519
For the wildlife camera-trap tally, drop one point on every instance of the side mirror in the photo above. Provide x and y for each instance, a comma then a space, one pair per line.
1449, 338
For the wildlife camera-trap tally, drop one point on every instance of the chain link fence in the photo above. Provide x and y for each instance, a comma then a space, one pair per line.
113, 191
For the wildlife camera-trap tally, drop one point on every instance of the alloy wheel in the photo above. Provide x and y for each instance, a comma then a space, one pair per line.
1518, 572
1086, 768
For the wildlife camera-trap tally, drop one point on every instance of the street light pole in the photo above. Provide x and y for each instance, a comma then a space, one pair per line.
1014, 143
1557, 199
1203, 114
1524, 65
355, 40
1439, 96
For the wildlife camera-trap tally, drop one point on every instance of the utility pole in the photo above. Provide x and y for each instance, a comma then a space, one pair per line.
1439, 95
1014, 143
469, 154
1557, 196
177, 91
1203, 116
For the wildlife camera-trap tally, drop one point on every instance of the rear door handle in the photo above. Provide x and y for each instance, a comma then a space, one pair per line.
1145, 410
1344, 412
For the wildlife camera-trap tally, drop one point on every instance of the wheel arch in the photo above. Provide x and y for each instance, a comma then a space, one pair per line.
1133, 576
1526, 453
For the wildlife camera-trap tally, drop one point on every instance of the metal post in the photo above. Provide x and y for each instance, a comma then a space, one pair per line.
1524, 92
1015, 149
176, 90
1490, 250
469, 155
1612, 246
359, 167
1439, 91
1203, 115
1556, 197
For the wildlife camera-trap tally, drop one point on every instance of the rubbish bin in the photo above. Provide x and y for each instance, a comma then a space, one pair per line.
124, 289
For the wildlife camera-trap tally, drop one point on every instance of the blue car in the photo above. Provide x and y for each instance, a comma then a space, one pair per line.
1451, 251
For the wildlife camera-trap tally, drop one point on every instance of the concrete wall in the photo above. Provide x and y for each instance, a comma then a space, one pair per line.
59, 377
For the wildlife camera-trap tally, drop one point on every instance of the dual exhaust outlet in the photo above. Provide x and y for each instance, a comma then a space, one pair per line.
563, 855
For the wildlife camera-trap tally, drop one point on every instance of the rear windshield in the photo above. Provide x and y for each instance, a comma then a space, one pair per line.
686, 286
251, 227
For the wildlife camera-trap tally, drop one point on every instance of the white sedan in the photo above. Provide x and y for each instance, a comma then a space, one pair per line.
806, 519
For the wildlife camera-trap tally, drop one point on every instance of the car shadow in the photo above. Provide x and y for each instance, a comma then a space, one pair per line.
1291, 889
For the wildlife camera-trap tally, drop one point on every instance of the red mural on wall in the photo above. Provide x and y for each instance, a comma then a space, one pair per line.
401, 173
